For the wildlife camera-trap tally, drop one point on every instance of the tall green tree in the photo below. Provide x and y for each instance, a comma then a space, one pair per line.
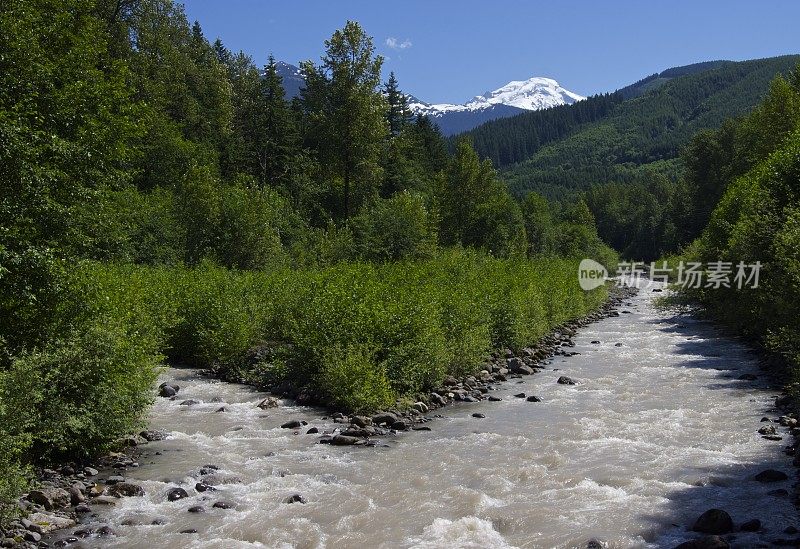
398, 115
277, 140
346, 113
539, 227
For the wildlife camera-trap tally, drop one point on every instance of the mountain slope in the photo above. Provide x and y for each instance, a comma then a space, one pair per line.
511, 99
293, 80
635, 139
658, 79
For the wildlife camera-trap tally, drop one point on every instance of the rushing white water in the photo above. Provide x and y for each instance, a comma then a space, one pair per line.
657, 431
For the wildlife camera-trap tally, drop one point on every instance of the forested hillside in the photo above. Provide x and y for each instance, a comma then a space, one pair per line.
623, 141
163, 198
628, 165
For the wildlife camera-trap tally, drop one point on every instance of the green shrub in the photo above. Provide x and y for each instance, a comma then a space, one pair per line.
13, 476
250, 236
354, 381
220, 316
400, 227
75, 397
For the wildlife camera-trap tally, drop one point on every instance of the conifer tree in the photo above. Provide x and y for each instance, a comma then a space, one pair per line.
398, 114
346, 112
277, 135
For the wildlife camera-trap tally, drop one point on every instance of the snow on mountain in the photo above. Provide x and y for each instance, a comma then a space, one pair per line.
516, 96
292, 77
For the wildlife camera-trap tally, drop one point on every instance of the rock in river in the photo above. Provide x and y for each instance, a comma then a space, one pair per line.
714, 521
125, 489
387, 418
222, 505
753, 525
167, 389
771, 475
767, 430
174, 494
342, 440
269, 402
706, 542
564, 380
295, 498
50, 498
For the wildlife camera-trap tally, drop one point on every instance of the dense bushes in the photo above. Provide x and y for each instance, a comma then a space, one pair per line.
75, 397
400, 227
159, 192
757, 219
357, 333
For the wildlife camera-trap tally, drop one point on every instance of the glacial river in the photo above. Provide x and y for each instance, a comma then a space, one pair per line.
657, 430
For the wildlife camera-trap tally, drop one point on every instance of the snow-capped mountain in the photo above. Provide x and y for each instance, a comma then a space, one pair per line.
513, 98
292, 77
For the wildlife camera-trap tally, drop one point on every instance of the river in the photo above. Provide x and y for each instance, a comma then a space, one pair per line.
657, 430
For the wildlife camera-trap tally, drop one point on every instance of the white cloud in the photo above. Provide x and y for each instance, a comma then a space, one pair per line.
396, 44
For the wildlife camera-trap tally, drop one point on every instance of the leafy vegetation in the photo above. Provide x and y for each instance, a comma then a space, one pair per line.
408, 323
756, 171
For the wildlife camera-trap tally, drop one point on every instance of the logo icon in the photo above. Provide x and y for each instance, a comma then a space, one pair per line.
591, 274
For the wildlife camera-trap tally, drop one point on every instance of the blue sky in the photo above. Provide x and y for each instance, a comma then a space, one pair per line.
449, 51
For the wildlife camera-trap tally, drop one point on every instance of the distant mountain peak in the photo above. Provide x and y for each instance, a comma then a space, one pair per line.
532, 94
513, 98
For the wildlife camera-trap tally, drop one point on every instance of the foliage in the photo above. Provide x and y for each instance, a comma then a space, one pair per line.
75, 397
354, 382
475, 207
163, 198
400, 227
757, 220
345, 116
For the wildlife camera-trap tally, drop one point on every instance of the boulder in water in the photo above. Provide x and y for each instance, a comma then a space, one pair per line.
168, 390
295, 498
342, 440
714, 521
174, 494
50, 498
387, 418
269, 402
767, 430
753, 525
203, 487
771, 475
125, 489
564, 380
222, 505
